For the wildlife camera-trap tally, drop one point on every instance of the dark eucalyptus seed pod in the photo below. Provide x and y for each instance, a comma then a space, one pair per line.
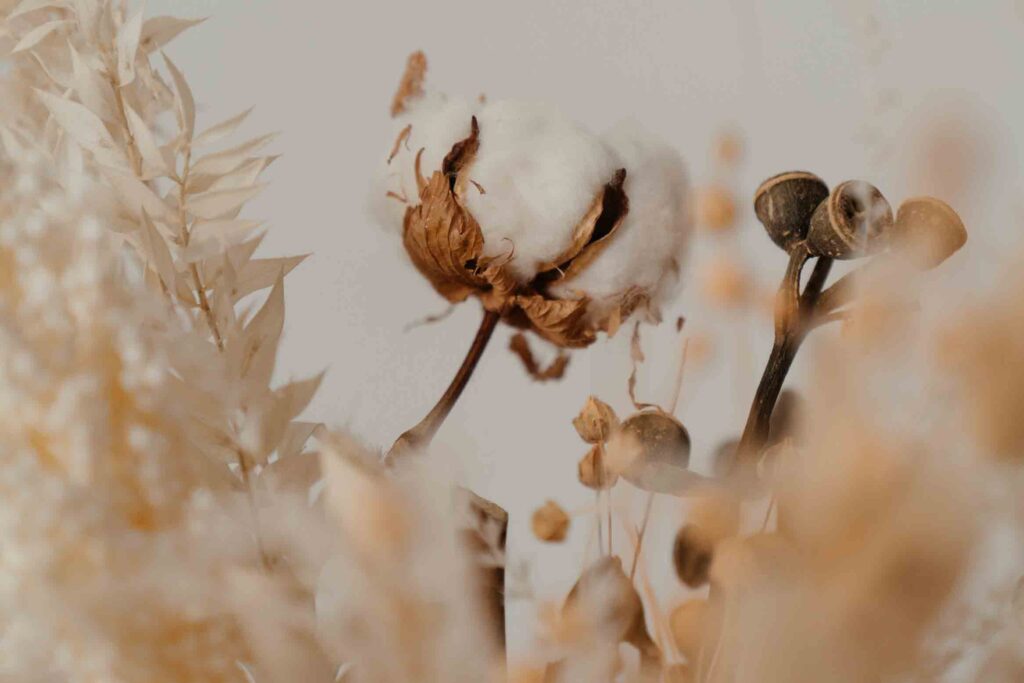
785, 203
691, 555
853, 222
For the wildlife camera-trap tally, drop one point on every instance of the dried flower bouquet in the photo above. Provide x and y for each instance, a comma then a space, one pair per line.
167, 515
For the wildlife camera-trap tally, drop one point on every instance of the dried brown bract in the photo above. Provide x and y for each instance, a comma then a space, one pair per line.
411, 85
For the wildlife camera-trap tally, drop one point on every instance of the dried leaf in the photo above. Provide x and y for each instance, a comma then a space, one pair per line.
38, 35
261, 273
158, 253
230, 159
221, 130
84, 127
295, 438
519, 345
245, 175
208, 238
26, 6
159, 31
287, 403
185, 100
220, 203
411, 85
137, 197
260, 338
127, 49
154, 164
92, 89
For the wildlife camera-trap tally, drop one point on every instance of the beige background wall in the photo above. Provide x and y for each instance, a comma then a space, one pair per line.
903, 93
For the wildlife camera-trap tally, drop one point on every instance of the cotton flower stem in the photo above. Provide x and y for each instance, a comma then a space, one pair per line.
422, 434
794, 315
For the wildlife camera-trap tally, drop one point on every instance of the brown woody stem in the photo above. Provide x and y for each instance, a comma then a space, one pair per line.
793, 315
422, 434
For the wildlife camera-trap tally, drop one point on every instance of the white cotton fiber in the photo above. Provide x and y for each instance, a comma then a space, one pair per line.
438, 122
540, 173
653, 233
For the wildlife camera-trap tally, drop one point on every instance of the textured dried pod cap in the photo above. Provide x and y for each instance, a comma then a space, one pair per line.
785, 203
689, 623
550, 522
691, 555
855, 221
652, 452
594, 472
596, 421
928, 231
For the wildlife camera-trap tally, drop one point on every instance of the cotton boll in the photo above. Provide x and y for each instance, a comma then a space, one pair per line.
437, 122
539, 172
648, 245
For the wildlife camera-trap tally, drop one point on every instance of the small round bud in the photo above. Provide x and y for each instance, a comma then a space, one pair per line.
689, 625
853, 222
594, 472
596, 421
716, 209
928, 231
785, 203
654, 451
691, 555
550, 522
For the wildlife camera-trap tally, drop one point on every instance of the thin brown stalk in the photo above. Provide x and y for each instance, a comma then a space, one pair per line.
793, 316
424, 431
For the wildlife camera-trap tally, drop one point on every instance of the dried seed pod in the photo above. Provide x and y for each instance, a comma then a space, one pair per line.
605, 584
785, 203
550, 522
691, 555
928, 231
853, 222
689, 625
596, 421
594, 472
653, 449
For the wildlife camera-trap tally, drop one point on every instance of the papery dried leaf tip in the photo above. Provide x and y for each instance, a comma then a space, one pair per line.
560, 231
